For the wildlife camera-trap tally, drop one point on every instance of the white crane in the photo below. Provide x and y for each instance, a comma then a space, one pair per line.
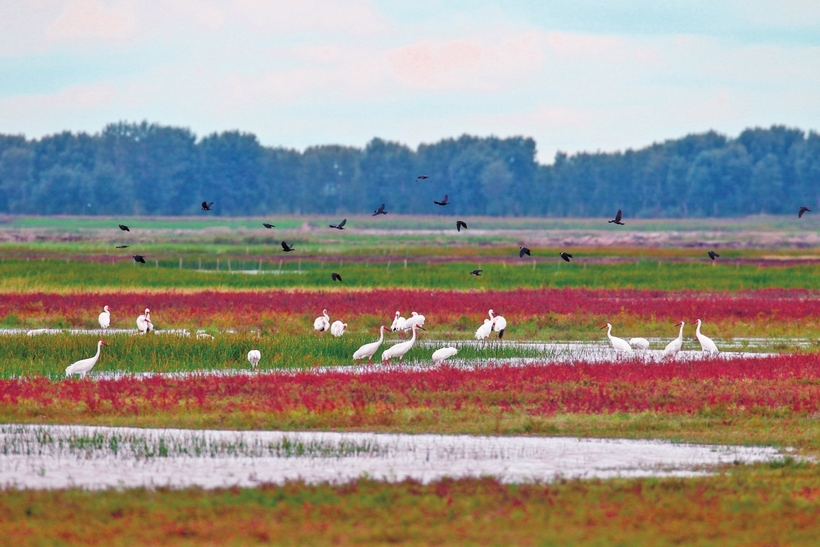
639, 343
441, 355
499, 324
144, 323
338, 328
414, 319
618, 343
322, 323
706, 343
673, 347
399, 349
83, 366
254, 356
484, 330
368, 350
398, 322
105, 318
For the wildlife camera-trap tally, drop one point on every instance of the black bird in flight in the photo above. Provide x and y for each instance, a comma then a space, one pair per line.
617, 219
422, 177
287, 248
340, 226
713, 255
124, 228
566, 256
476, 273
139, 258
461, 224
335, 277
443, 202
380, 211
268, 226
523, 251
207, 206
803, 210
122, 246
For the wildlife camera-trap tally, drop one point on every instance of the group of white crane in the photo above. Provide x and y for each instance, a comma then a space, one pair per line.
400, 325
672, 348
144, 323
495, 323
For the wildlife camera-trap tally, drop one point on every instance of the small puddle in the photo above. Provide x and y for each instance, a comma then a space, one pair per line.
45, 457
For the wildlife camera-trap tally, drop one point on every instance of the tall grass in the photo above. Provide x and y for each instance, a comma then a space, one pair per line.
61, 276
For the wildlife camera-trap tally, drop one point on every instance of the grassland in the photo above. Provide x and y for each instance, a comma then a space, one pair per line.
775, 401
761, 505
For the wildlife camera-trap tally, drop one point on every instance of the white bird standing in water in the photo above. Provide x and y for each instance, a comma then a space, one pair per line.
639, 343
414, 319
105, 318
673, 347
484, 330
441, 355
338, 328
83, 366
399, 349
706, 343
254, 356
499, 324
368, 350
144, 323
398, 322
322, 323
618, 343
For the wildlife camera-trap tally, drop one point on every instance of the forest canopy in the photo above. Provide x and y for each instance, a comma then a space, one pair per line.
149, 169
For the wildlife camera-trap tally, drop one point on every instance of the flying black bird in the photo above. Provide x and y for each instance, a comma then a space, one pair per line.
380, 211
476, 273
268, 226
287, 248
124, 228
122, 246
422, 177
443, 202
207, 206
566, 256
713, 255
523, 251
340, 226
461, 224
803, 210
617, 219
335, 277
139, 258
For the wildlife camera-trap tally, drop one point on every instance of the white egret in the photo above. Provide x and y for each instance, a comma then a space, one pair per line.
322, 323
673, 347
398, 322
484, 330
368, 350
105, 318
499, 324
254, 356
144, 323
706, 343
399, 349
639, 343
440, 355
83, 366
338, 328
618, 343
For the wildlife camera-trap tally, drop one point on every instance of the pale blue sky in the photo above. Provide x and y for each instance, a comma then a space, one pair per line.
580, 75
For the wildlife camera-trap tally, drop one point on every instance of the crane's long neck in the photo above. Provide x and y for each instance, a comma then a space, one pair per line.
609, 331
491, 316
99, 348
381, 334
680, 334
413, 339
697, 331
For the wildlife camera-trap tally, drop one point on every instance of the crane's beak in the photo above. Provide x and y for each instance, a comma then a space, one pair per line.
602, 328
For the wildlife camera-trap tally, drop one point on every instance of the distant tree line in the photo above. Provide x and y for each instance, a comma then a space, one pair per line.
150, 169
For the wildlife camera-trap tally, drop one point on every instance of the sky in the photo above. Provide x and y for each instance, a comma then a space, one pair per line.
575, 75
